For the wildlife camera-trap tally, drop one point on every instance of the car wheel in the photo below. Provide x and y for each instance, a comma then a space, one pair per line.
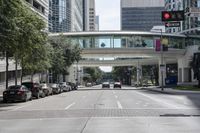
5, 101
25, 99
37, 95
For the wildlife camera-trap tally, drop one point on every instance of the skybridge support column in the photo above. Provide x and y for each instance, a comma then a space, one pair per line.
139, 73
162, 71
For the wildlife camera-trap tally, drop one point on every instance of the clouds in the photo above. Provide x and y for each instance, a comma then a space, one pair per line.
109, 13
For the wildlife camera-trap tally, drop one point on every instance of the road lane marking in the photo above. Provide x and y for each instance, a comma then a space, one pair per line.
70, 105
119, 105
158, 100
116, 96
114, 92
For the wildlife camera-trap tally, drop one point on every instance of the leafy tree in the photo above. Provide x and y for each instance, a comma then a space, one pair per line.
10, 10
65, 53
195, 65
94, 73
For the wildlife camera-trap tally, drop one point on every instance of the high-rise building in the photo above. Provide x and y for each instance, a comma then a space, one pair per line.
141, 15
192, 19
65, 15
41, 7
97, 23
174, 5
89, 17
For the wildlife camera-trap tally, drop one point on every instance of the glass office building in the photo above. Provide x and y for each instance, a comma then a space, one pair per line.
65, 15
141, 15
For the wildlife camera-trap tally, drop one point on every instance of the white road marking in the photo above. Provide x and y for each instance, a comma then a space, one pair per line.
119, 105
70, 105
158, 100
116, 96
114, 92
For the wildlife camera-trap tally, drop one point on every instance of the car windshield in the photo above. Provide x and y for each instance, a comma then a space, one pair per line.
14, 87
54, 85
28, 85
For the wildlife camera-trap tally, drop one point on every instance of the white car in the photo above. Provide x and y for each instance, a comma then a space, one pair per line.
65, 86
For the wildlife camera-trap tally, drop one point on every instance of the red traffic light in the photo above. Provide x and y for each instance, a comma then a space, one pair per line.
173, 16
167, 15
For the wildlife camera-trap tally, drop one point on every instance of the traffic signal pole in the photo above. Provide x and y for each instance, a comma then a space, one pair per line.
161, 38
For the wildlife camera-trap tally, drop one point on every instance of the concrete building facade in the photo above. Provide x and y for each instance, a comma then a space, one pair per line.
41, 7
141, 15
89, 17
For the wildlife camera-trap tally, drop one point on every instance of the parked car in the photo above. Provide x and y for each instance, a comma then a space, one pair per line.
47, 89
117, 85
73, 85
65, 86
56, 88
88, 84
17, 93
106, 85
35, 88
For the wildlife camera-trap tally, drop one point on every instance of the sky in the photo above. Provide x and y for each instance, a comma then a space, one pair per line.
109, 18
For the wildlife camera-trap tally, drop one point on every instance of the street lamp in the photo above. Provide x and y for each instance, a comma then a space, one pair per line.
162, 58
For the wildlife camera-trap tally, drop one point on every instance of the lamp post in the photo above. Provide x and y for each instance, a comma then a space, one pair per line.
162, 58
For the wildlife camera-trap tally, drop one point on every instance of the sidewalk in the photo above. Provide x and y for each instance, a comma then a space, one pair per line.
169, 90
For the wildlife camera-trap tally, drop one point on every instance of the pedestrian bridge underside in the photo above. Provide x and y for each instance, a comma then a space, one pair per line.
121, 44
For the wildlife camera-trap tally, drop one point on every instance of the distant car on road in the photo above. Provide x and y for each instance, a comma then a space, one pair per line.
17, 93
88, 84
35, 88
56, 89
106, 85
65, 86
117, 85
73, 86
47, 89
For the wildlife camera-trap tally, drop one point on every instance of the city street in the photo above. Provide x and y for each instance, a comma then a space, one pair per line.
96, 110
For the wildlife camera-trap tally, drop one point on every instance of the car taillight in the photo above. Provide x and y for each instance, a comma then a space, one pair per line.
20, 92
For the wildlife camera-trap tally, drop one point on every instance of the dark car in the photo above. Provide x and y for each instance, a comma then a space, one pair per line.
73, 86
35, 88
56, 89
47, 89
17, 93
117, 85
106, 85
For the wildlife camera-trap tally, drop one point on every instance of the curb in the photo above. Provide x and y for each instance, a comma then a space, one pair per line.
171, 91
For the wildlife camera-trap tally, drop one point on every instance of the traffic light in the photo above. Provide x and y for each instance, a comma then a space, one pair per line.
173, 16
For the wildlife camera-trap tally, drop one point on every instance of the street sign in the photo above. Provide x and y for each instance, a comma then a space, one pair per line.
162, 68
172, 24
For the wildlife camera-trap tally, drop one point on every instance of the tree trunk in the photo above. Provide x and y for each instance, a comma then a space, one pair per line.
7, 66
16, 62
21, 80
22, 69
32, 76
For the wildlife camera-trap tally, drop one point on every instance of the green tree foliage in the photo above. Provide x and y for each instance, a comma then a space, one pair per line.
195, 65
22, 37
94, 73
65, 53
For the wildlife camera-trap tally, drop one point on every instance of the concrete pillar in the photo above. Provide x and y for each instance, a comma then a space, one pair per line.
162, 71
183, 71
139, 73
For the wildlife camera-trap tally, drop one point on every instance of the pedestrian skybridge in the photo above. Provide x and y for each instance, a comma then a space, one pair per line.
124, 44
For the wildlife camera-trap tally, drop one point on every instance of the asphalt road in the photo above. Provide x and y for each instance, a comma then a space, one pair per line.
96, 110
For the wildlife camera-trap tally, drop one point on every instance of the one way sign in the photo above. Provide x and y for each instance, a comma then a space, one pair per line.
172, 24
